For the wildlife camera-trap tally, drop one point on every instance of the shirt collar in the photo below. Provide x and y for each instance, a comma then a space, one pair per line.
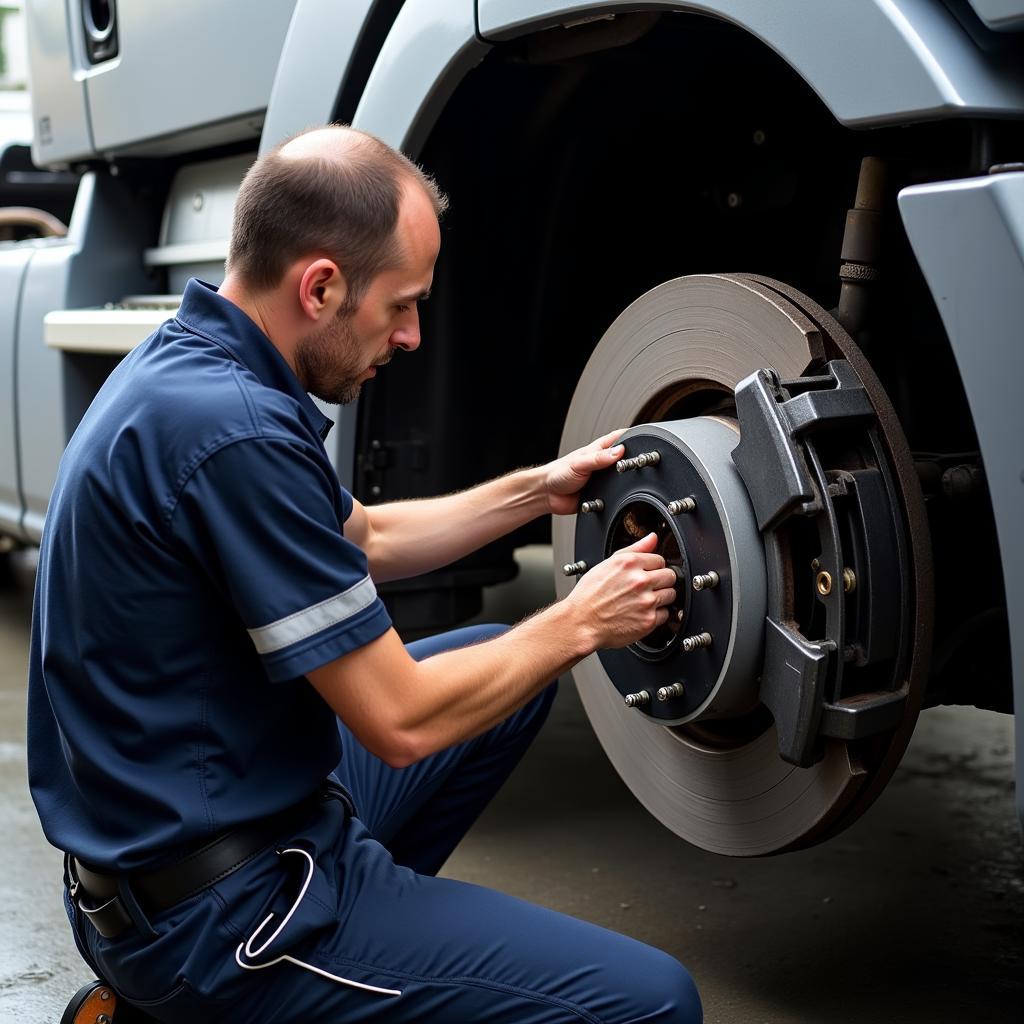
210, 315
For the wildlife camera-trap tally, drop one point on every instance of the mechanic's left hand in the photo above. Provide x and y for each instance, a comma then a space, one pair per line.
565, 477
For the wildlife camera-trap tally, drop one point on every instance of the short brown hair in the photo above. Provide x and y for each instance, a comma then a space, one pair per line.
344, 208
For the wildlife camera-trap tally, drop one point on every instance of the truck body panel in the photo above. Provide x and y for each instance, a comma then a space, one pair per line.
316, 58
60, 114
425, 56
166, 89
13, 264
968, 237
1000, 15
97, 263
873, 62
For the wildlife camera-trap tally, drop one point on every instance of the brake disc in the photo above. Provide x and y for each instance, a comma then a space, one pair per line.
775, 703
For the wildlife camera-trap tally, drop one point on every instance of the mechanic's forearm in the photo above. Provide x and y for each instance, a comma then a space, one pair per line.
408, 538
464, 692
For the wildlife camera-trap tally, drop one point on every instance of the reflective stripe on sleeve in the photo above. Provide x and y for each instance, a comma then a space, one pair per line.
317, 617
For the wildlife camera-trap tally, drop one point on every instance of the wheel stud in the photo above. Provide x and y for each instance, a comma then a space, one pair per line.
574, 568
668, 692
637, 700
681, 505
705, 580
849, 581
594, 505
693, 643
638, 461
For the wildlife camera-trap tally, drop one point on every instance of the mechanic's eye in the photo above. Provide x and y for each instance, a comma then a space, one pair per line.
402, 309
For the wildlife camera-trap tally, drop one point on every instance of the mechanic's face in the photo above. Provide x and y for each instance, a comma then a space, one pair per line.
336, 360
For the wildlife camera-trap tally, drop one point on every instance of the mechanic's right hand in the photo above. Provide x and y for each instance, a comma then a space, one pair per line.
627, 595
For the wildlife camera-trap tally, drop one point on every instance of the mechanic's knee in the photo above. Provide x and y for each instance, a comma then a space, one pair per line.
669, 994
688, 1005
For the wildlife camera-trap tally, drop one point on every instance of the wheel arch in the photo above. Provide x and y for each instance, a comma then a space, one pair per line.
872, 63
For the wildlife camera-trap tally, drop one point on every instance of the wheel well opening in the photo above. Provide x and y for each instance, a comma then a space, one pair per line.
585, 169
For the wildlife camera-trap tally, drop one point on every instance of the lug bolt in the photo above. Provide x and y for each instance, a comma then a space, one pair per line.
849, 581
637, 700
668, 692
638, 461
692, 643
681, 505
594, 505
574, 568
705, 580
824, 582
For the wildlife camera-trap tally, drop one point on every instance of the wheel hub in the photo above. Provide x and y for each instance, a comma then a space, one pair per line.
704, 661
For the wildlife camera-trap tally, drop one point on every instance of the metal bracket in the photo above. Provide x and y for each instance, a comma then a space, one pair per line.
384, 455
769, 456
801, 680
771, 463
793, 689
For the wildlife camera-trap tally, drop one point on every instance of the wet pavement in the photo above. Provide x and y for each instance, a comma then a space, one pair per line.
914, 914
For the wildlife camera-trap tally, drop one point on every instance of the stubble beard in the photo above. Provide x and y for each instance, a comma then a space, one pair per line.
327, 362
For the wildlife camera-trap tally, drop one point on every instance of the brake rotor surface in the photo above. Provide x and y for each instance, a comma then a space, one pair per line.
678, 351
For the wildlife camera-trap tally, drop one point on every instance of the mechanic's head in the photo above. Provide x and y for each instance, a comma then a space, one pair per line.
334, 241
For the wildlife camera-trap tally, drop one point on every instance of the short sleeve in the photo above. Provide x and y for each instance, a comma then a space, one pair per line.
263, 519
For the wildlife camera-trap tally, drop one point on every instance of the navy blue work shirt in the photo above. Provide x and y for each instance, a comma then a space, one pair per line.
193, 566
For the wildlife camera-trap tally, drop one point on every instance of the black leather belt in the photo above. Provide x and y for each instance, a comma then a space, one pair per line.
98, 895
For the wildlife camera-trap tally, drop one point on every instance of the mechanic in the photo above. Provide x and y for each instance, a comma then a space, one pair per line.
253, 780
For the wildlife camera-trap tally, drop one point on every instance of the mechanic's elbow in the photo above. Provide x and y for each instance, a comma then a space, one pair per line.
401, 749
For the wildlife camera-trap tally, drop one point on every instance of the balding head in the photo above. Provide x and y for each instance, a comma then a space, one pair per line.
332, 191
332, 142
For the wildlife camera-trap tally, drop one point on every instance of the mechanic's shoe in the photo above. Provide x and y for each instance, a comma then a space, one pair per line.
94, 1003
97, 1003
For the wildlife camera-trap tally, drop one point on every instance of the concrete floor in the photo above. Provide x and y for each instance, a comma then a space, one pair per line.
912, 915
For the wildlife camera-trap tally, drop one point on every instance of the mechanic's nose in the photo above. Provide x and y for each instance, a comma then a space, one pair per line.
407, 336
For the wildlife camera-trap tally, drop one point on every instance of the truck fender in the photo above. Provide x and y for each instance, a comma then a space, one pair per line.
871, 63
968, 237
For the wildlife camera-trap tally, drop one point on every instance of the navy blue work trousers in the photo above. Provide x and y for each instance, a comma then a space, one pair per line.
344, 919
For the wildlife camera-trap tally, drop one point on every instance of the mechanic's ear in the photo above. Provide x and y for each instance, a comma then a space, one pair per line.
322, 289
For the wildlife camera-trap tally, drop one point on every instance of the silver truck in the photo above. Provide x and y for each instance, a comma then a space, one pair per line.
782, 242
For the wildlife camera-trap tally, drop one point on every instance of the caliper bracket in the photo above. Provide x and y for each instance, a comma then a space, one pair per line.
801, 678
793, 690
